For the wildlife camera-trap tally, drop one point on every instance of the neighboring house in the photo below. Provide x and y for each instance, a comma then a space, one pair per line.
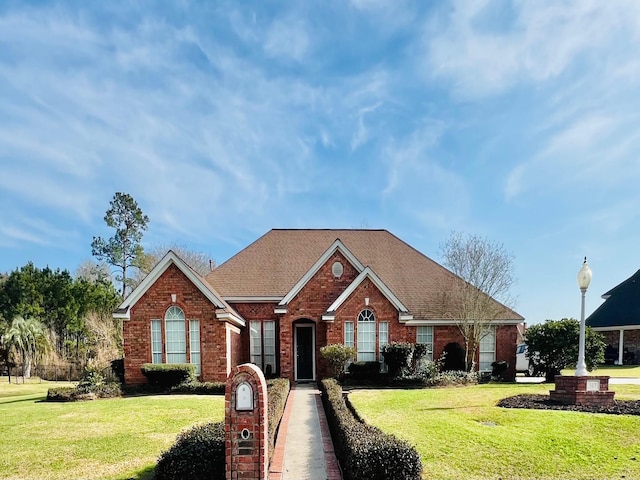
618, 319
278, 301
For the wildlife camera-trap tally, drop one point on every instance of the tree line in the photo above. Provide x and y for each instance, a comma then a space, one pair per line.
49, 315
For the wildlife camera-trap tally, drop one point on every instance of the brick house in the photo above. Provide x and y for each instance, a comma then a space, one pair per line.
279, 300
618, 320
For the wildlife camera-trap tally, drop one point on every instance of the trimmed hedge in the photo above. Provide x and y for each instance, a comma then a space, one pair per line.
200, 388
365, 452
277, 393
198, 454
168, 375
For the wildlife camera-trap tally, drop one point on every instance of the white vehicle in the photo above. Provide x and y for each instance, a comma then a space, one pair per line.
522, 361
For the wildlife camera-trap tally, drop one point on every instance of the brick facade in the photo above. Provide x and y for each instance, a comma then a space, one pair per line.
154, 304
224, 346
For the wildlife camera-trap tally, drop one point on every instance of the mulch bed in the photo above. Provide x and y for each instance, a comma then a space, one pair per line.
619, 407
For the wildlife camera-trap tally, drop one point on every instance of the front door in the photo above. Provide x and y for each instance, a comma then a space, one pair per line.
305, 352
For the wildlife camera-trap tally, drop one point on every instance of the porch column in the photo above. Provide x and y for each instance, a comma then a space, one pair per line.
620, 346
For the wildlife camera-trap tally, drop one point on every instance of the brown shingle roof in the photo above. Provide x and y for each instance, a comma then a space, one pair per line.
273, 264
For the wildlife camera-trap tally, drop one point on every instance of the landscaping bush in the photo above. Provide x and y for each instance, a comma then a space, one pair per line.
117, 367
62, 394
364, 370
198, 454
168, 375
454, 377
200, 388
337, 356
364, 451
420, 351
277, 393
396, 356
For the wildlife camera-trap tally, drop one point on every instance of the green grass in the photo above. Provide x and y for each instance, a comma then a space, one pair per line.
104, 439
461, 434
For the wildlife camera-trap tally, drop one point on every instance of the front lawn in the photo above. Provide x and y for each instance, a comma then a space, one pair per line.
460, 433
116, 439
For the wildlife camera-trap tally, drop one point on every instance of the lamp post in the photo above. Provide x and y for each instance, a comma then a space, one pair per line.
584, 279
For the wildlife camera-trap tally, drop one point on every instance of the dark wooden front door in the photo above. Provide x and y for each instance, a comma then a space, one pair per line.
304, 352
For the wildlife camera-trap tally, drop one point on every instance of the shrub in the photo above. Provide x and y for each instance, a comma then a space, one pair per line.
337, 356
364, 451
420, 351
396, 356
200, 388
277, 393
117, 367
167, 375
62, 394
454, 377
198, 454
364, 370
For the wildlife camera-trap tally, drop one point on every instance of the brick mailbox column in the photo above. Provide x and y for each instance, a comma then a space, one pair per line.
582, 390
246, 435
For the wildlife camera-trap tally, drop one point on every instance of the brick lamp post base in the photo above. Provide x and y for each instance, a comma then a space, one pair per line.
582, 390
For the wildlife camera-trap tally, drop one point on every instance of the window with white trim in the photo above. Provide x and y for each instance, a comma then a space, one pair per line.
176, 329
255, 342
366, 336
348, 334
156, 341
194, 344
424, 335
175, 335
487, 349
383, 339
269, 346
262, 344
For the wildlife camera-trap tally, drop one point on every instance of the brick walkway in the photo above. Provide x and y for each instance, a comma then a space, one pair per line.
304, 450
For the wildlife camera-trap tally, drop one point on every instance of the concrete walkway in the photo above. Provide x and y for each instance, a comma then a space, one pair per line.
304, 450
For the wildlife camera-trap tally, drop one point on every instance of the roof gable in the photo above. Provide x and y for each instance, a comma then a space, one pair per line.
621, 307
274, 264
223, 310
368, 273
336, 246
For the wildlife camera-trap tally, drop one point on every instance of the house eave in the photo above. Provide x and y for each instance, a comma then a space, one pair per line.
230, 317
447, 322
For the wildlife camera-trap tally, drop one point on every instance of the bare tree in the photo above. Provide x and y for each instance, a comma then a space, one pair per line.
198, 261
480, 293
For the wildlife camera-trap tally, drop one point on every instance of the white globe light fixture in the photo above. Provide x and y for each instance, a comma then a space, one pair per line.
584, 279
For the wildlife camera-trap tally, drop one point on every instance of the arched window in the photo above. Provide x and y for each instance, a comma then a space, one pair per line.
366, 336
176, 338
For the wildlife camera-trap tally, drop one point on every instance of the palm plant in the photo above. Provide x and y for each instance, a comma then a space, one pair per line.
28, 338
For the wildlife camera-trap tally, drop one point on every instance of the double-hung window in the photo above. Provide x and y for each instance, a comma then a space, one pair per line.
425, 336
262, 344
383, 339
487, 350
194, 344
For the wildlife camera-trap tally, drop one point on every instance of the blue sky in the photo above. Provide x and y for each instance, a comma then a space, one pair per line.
517, 121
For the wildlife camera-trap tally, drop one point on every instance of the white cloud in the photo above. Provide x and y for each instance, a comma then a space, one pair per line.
288, 38
542, 41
